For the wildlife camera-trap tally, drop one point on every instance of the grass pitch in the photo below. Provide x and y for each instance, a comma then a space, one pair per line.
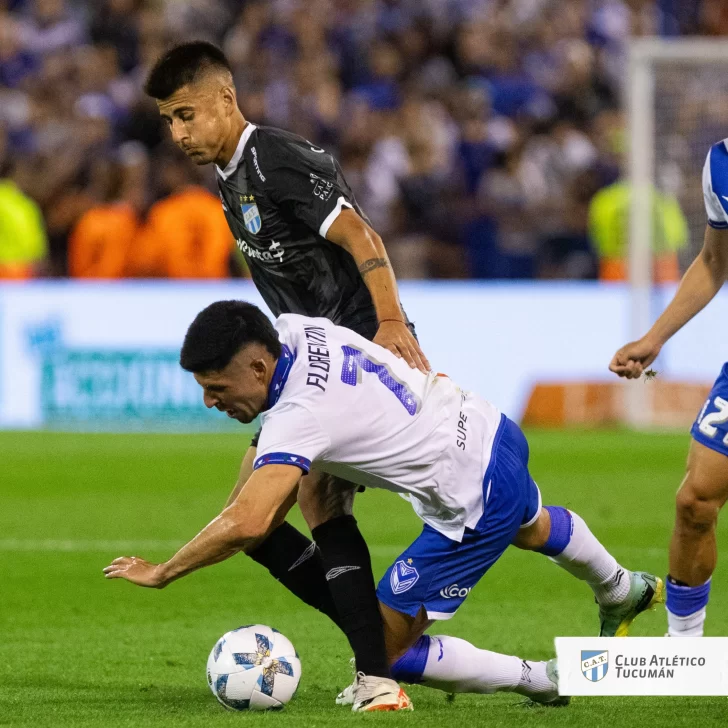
77, 650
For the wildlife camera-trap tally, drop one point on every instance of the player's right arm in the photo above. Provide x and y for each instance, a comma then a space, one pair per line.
701, 282
240, 527
246, 470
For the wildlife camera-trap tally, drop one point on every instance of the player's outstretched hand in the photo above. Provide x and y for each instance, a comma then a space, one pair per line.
397, 337
633, 358
137, 571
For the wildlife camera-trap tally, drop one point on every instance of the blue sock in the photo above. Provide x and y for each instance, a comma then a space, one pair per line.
560, 534
685, 600
410, 667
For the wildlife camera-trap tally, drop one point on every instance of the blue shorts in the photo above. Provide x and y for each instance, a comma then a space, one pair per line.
438, 573
711, 426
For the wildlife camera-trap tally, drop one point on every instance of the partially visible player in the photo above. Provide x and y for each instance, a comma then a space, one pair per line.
693, 550
461, 463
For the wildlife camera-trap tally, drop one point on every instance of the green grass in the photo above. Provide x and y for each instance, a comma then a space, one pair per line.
76, 650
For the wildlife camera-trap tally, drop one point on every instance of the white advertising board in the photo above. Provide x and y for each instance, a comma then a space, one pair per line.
91, 356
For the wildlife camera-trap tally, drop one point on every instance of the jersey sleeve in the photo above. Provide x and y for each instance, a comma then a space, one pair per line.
291, 436
306, 181
715, 186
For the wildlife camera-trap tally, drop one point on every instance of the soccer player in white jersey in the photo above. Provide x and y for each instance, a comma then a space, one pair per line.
335, 402
693, 551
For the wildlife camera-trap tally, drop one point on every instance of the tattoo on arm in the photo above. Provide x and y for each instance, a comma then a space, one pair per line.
372, 264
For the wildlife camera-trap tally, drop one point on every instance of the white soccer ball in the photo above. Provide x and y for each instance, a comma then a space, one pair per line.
253, 668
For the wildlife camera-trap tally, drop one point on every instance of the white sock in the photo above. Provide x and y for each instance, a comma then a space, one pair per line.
456, 666
586, 559
690, 625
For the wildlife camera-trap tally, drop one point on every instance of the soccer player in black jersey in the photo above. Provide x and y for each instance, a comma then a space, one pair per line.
311, 251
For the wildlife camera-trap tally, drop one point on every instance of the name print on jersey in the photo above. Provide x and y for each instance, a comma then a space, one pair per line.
319, 358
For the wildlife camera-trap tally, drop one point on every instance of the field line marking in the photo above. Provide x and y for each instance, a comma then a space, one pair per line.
130, 546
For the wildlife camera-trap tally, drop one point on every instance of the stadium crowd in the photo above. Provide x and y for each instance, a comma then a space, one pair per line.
483, 138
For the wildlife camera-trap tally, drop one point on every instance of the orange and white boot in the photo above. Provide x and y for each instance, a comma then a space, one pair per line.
371, 693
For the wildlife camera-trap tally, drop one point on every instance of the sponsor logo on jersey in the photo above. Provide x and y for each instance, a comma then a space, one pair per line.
403, 577
275, 249
274, 254
461, 435
254, 152
455, 592
322, 188
594, 664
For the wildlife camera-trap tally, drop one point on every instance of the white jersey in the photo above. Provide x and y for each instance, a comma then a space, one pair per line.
348, 407
715, 185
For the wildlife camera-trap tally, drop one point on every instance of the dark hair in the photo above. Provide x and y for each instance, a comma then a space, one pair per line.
220, 331
182, 65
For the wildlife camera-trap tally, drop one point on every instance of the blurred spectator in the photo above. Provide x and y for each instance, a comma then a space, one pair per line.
568, 252
608, 223
714, 17
186, 234
482, 136
512, 196
473, 132
51, 25
23, 243
15, 62
115, 24
104, 241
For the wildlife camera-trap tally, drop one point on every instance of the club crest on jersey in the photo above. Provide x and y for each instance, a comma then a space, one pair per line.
403, 577
251, 214
594, 664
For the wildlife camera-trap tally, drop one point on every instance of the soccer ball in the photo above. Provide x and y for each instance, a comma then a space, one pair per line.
253, 668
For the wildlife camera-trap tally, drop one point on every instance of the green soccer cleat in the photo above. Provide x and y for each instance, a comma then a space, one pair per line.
645, 591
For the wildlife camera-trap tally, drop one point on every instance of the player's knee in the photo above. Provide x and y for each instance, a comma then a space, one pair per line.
533, 537
312, 509
324, 499
695, 510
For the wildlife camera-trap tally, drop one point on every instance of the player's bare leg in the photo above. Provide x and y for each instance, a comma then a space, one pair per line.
693, 549
326, 503
565, 538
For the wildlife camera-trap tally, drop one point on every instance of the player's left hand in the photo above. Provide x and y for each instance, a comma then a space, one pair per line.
397, 337
137, 571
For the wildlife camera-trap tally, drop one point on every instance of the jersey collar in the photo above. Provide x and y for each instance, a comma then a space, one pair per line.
232, 165
280, 376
